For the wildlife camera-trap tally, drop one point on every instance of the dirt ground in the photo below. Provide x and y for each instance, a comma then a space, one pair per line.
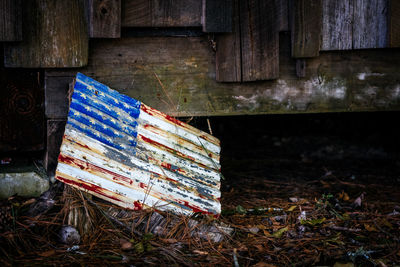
303, 190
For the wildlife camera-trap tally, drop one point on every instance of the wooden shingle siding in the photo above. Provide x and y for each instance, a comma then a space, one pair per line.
337, 24
104, 18
259, 36
10, 20
161, 13
217, 16
370, 24
394, 23
306, 28
54, 36
228, 55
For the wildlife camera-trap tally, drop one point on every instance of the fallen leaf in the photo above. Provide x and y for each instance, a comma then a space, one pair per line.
313, 222
291, 208
125, 244
263, 264
280, 232
370, 228
254, 230
139, 248
240, 210
48, 253
170, 240
266, 233
293, 199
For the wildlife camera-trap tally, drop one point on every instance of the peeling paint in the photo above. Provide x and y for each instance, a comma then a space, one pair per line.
128, 153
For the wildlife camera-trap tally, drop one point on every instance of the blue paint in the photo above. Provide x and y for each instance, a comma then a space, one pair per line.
123, 126
131, 106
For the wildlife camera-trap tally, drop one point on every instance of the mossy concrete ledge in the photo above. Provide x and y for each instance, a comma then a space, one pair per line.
26, 184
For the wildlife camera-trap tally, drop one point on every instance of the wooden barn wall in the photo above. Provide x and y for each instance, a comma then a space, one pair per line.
177, 75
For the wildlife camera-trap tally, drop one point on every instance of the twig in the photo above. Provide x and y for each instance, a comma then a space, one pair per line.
339, 228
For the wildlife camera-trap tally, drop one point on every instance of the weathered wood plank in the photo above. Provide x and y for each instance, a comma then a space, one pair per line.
10, 20
370, 24
394, 23
228, 57
259, 36
55, 35
161, 13
357, 80
283, 15
55, 132
21, 110
217, 16
104, 18
337, 25
306, 28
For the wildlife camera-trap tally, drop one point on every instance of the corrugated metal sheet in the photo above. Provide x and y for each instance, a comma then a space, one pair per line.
123, 151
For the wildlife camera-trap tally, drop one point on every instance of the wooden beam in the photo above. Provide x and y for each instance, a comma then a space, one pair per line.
56, 100
161, 13
217, 16
55, 132
306, 28
394, 23
370, 24
55, 36
337, 25
357, 80
10, 20
228, 55
259, 34
104, 18
301, 67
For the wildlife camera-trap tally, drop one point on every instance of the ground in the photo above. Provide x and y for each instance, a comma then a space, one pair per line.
298, 190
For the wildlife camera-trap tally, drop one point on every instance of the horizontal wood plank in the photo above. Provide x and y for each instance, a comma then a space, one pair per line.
161, 13
348, 81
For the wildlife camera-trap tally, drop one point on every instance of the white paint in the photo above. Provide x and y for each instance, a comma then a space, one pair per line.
364, 75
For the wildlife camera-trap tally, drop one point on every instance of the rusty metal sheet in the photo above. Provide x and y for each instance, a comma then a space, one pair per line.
128, 153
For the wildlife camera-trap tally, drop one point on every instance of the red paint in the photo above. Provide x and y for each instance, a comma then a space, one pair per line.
142, 185
137, 205
90, 187
196, 209
170, 150
156, 113
73, 141
88, 166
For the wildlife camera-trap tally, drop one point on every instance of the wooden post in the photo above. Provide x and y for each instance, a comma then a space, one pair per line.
55, 36
394, 23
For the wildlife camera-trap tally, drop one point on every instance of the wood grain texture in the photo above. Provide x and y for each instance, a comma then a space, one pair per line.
370, 24
394, 23
228, 55
259, 36
10, 20
55, 132
217, 16
283, 15
104, 18
306, 28
357, 80
161, 13
55, 36
337, 25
